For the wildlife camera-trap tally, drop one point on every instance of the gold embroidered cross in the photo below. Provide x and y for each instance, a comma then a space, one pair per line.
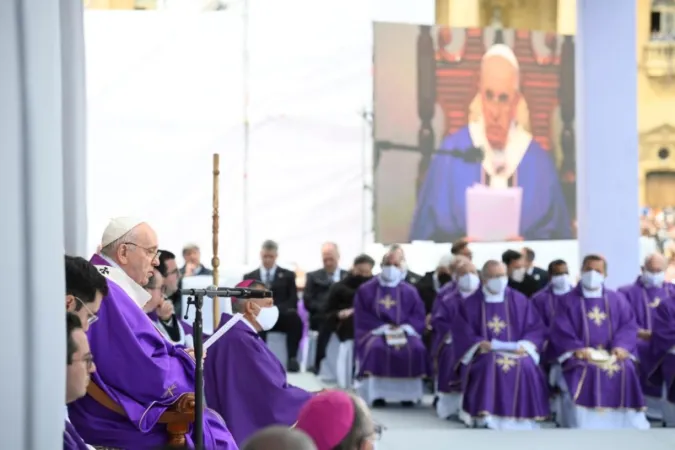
169, 391
655, 303
597, 316
387, 302
506, 363
496, 325
611, 369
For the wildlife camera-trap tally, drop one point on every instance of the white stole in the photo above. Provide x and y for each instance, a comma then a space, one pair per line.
135, 291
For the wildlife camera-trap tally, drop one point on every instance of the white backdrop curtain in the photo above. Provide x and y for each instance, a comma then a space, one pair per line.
34, 92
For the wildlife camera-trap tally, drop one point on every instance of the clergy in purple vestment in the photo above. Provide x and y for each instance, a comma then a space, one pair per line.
243, 380
495, 149
663, 346
389, 320
594, 336
497, 336
448, 380
140, 370
80, 367
644, 295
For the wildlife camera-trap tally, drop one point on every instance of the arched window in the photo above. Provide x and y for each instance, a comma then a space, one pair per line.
662, 24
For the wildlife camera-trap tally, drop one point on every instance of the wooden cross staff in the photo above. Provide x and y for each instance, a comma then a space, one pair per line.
215, 261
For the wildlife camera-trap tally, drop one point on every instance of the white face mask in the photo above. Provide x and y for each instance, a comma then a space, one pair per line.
592, 280
653, 279
391, 274
518, 275
497, 286
561, 282
267, 317
468, 282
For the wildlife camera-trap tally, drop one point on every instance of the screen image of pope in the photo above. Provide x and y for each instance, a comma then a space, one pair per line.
473, 134
509, 157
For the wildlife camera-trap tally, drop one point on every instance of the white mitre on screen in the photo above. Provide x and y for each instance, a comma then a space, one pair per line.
118, 227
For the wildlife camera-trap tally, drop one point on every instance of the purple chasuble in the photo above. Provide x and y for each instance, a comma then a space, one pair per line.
602, 323
376, 305
71, 439
663, 341
440, 213
643, 301
545, 302
443, 357
496, 383
143, 373
247, 384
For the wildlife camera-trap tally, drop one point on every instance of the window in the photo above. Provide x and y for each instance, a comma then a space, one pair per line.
662, 20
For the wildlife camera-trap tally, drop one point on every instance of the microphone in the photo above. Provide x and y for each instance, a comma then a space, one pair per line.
215, 291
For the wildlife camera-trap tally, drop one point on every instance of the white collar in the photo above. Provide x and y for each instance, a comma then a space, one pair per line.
561, 291
492, 298
518, 141
115, 274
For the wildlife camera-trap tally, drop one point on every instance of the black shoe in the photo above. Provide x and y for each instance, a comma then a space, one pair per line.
293, 366
379, 403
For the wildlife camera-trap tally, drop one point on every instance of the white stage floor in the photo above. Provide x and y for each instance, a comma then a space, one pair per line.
419, 429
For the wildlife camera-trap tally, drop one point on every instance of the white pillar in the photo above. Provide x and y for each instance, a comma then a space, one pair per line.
607, 139
32, 374
567, 17
74, 128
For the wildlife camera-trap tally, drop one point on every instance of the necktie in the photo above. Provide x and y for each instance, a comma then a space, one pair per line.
268, 278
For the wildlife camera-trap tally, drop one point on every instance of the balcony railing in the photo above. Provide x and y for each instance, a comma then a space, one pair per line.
659, 58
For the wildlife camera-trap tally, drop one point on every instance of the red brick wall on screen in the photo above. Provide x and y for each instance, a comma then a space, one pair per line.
457, 84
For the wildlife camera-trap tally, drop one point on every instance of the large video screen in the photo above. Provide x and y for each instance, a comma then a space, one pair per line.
473, 134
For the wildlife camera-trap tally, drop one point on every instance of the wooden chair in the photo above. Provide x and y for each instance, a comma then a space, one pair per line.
177, 418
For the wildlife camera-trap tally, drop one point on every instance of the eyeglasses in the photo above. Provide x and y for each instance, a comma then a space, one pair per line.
91, 317
154, 254
88, 360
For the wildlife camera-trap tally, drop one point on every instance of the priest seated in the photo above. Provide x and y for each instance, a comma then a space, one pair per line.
644, 296
448, 380
497, 336
594, 336
389, 320
663, 348
140, 374
80, 366
160, 310
244, 381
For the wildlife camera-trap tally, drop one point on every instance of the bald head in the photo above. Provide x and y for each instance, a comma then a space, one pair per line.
655, 262
465, 267
330, 256
279, 438
493, 269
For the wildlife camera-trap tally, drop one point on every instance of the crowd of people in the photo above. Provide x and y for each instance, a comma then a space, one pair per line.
504, 347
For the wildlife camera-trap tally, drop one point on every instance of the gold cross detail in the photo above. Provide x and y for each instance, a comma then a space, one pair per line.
597, 316
612, 368
169, 391
387, 302
655, 303
496, 325
506, 363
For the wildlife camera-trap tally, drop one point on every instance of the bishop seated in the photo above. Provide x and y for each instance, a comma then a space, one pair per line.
448, 380
389, 319
140, 374
497, 335
160, 310
594, 336
644, 296
244, 381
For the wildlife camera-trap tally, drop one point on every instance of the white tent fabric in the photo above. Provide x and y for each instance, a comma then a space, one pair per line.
35, 91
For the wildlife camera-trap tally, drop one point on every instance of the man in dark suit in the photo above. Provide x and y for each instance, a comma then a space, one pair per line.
410, 276
193, 264
540, 275
282, 283
517, 272
315, 296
